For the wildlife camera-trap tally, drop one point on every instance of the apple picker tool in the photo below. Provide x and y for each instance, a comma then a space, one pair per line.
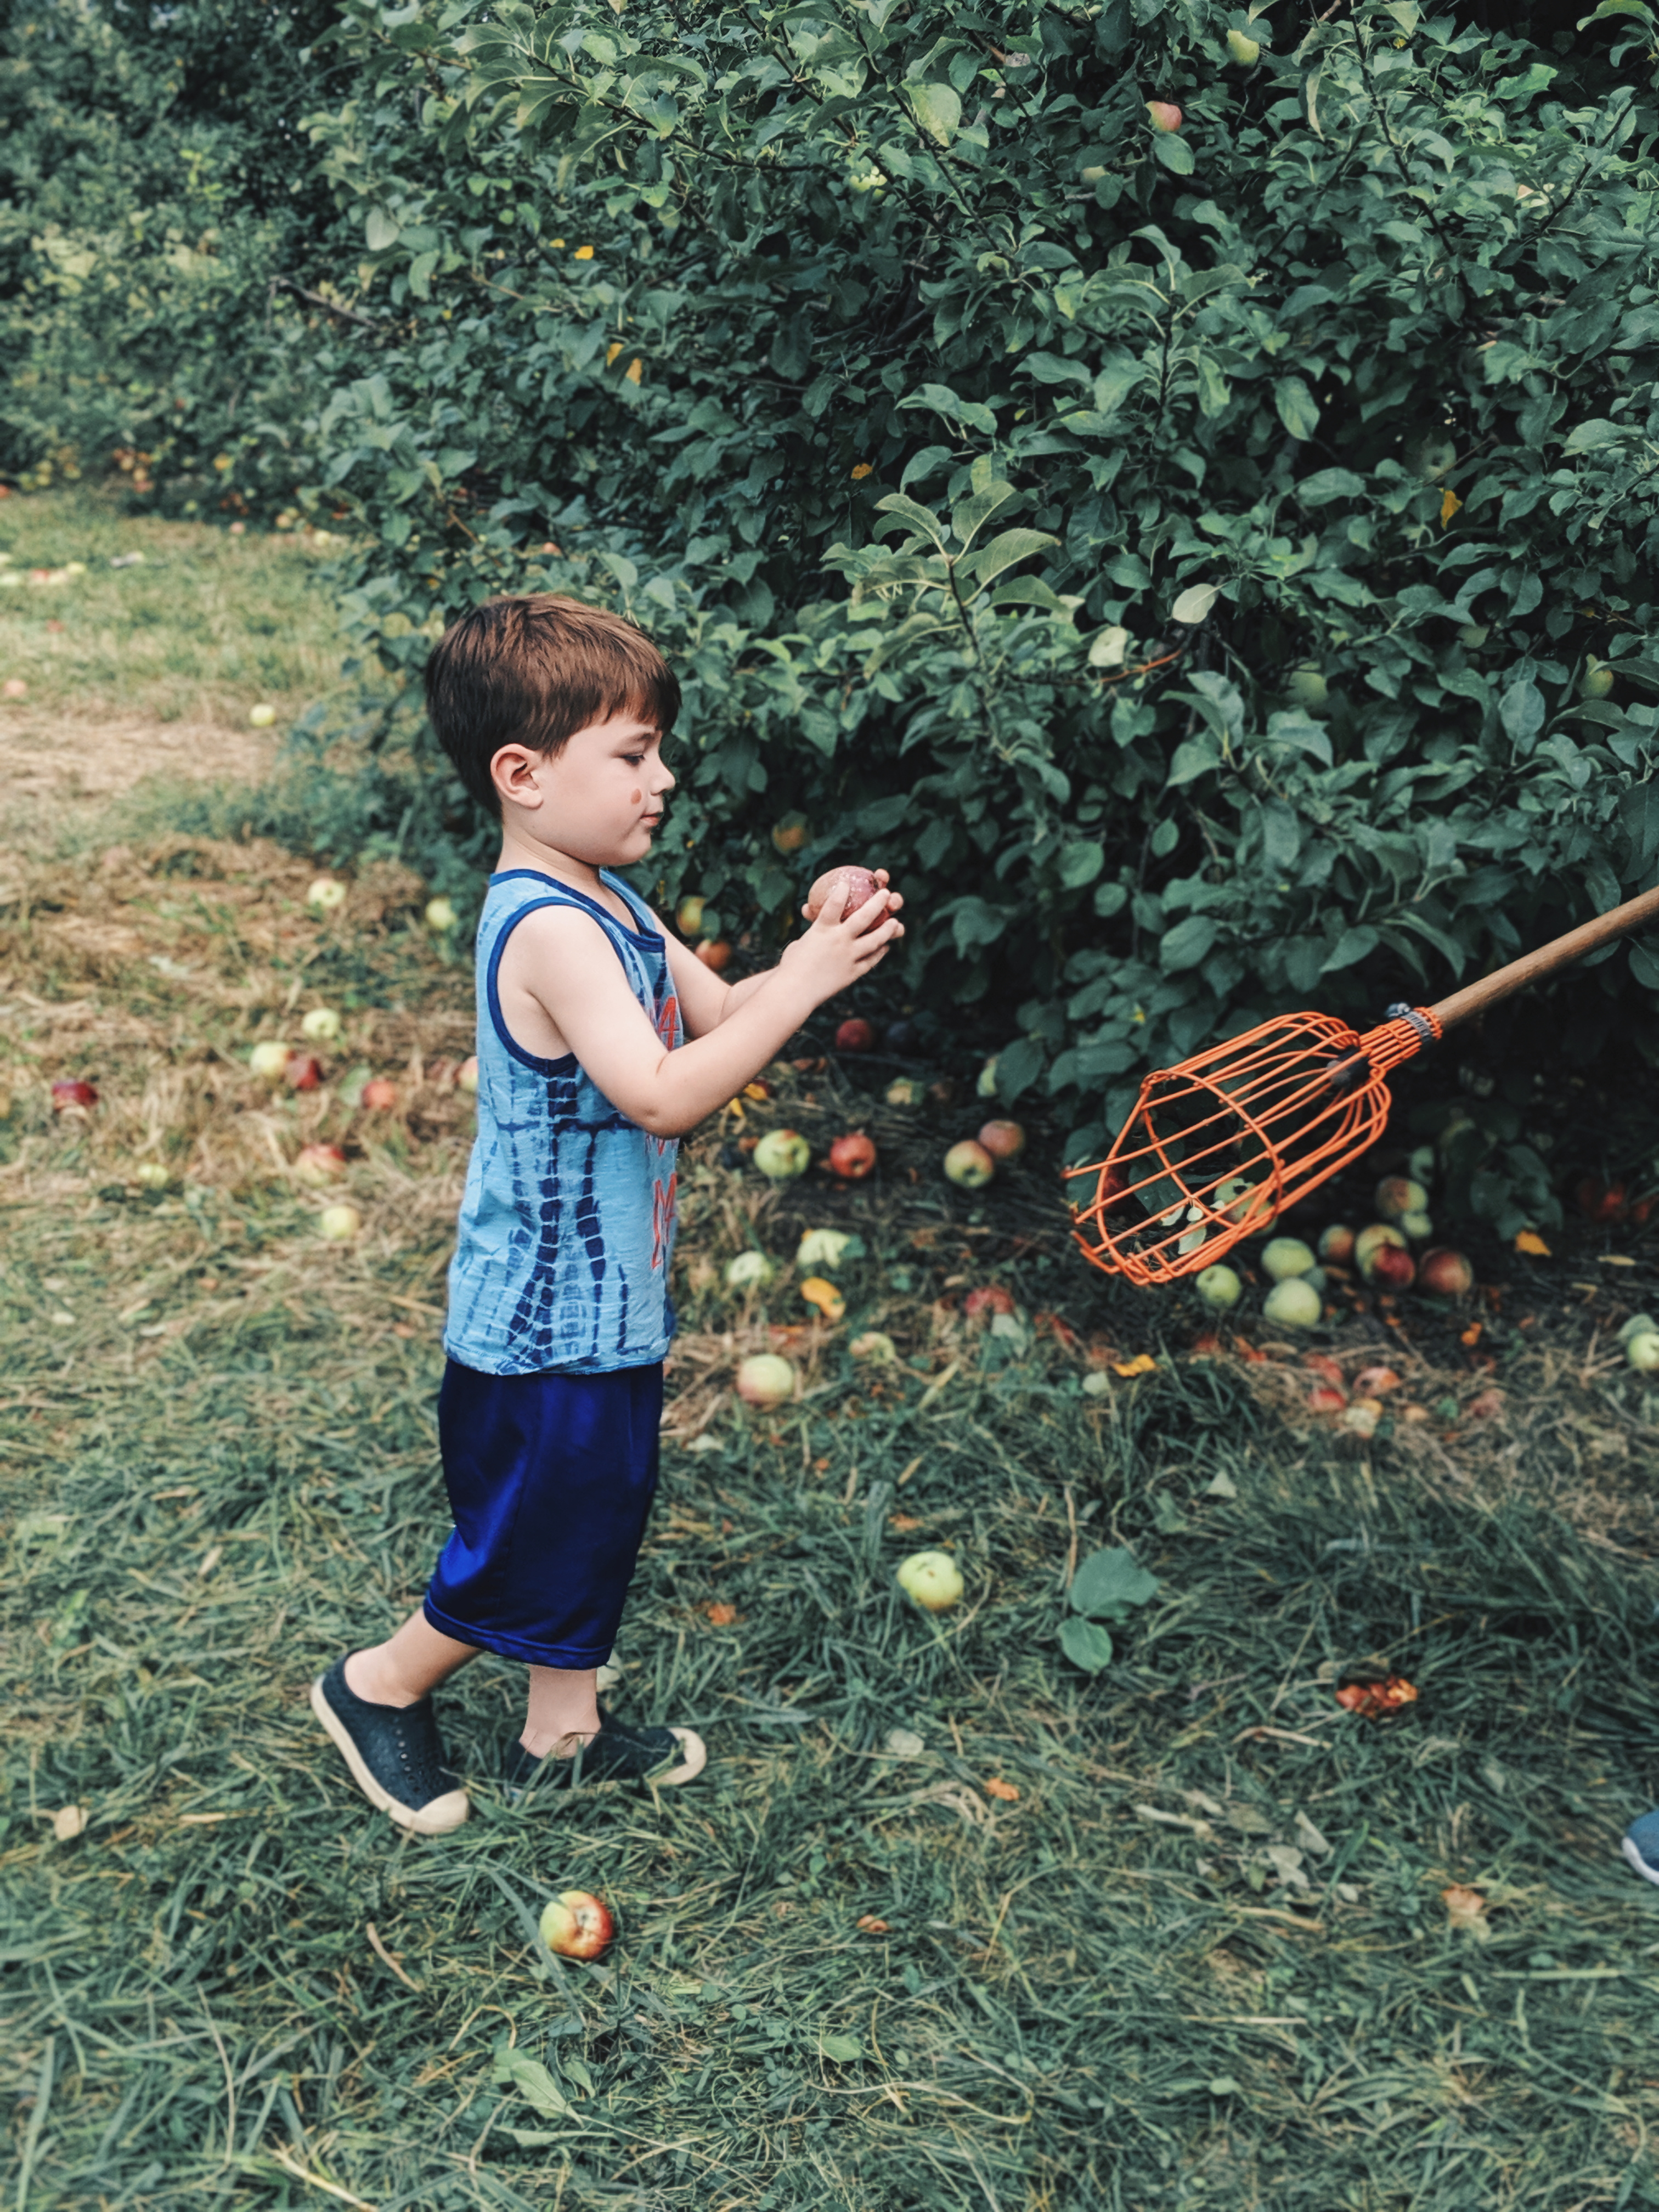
1219, 1145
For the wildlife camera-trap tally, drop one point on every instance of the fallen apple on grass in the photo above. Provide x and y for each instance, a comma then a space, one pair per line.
853, 1155
905, 1091
379, 1094
750, 1271
931, 1579
990, 1298
1287, 1256
304, 1072
150, 1175
1336, 1244
262, 716
73, 1091
858, 887
326, 894
1004, 1140
1443, 1273
764, 1380
318, 1165
576, 1925
321, 1025
855, 1036
1293, 1303
968, 1165
1370, 1240
783, 1154
340, 1224
1220, 1288
269, 1060
1392, 1268
1641, 1352
1399, 1195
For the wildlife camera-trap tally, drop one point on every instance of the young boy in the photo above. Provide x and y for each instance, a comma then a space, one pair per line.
555, 714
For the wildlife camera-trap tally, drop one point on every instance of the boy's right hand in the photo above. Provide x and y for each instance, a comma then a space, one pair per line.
839, 949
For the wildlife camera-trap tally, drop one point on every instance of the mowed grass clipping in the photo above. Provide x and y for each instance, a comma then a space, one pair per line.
946, 1923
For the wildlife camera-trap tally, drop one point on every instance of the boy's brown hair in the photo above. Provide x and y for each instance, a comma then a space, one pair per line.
533, 670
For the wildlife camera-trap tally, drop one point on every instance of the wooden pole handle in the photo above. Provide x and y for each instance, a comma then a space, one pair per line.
1475, 998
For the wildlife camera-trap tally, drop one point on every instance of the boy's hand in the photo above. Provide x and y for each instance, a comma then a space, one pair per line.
841, 948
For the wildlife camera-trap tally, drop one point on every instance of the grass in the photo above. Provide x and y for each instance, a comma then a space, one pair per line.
1191, 1950
198, 628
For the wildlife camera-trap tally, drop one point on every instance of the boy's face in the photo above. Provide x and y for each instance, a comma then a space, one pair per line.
599, 799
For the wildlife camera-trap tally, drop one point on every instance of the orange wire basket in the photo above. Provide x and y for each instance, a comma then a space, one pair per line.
1218, 1147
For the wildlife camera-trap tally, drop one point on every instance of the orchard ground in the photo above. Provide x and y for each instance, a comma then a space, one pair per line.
948, 1923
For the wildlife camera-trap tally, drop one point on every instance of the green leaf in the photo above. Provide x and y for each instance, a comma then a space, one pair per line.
1520, 710
1187, 943
1002, 551
939, 111
968, 515
1173, 152
1079, 863
902, 508
1327, 484
381, 230
1085, 1645
845, 2049
1194, 603
1585, 437
517, 2070
1350, 947
1298, 410
1644, 965
1109, 1585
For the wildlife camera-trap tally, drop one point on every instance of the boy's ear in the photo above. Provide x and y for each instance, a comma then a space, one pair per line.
513, 772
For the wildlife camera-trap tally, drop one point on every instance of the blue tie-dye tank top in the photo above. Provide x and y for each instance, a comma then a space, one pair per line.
568, 1221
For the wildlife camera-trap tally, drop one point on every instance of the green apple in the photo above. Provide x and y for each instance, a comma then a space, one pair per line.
968, 1165
321, 1025
269, 1062
783, 1154
1597, 681
1398, 1195
1243, 49
326, 894
1643, 1353
440, 916
152, 1174
1287, 1256
750, 1271
262, 717
340, 1224
933, 1579
1293, 1303
1308, 687
1220, 1288
1417, 1224
687, 916
985, 1086
764, 1380
466, 1075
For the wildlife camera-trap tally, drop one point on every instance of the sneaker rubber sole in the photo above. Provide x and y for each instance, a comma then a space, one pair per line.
1637, 1864
439, 1817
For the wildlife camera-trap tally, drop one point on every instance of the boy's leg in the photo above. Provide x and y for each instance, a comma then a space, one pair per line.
376, 1704
407, 1666
564, 1710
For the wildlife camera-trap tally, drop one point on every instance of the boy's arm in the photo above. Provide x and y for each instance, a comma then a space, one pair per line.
567, 964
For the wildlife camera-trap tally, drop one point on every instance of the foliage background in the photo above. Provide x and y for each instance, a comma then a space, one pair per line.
1180, 558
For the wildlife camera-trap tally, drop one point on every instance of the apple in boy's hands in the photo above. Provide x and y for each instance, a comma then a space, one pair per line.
576, 1925
859, 885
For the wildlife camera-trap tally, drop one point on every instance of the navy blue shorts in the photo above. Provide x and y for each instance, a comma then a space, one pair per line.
550, 1478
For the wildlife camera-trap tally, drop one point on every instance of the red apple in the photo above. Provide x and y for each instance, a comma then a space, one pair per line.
853, 1155
1445, 1273
576, 1925
765, 1380
1004, 1140
72, 1091
990, 1298
855, 1036
1163, 115
319, 1164
1392, 1268
380, 1095
714, 953
859, 885
1337, 1244
303, 1072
